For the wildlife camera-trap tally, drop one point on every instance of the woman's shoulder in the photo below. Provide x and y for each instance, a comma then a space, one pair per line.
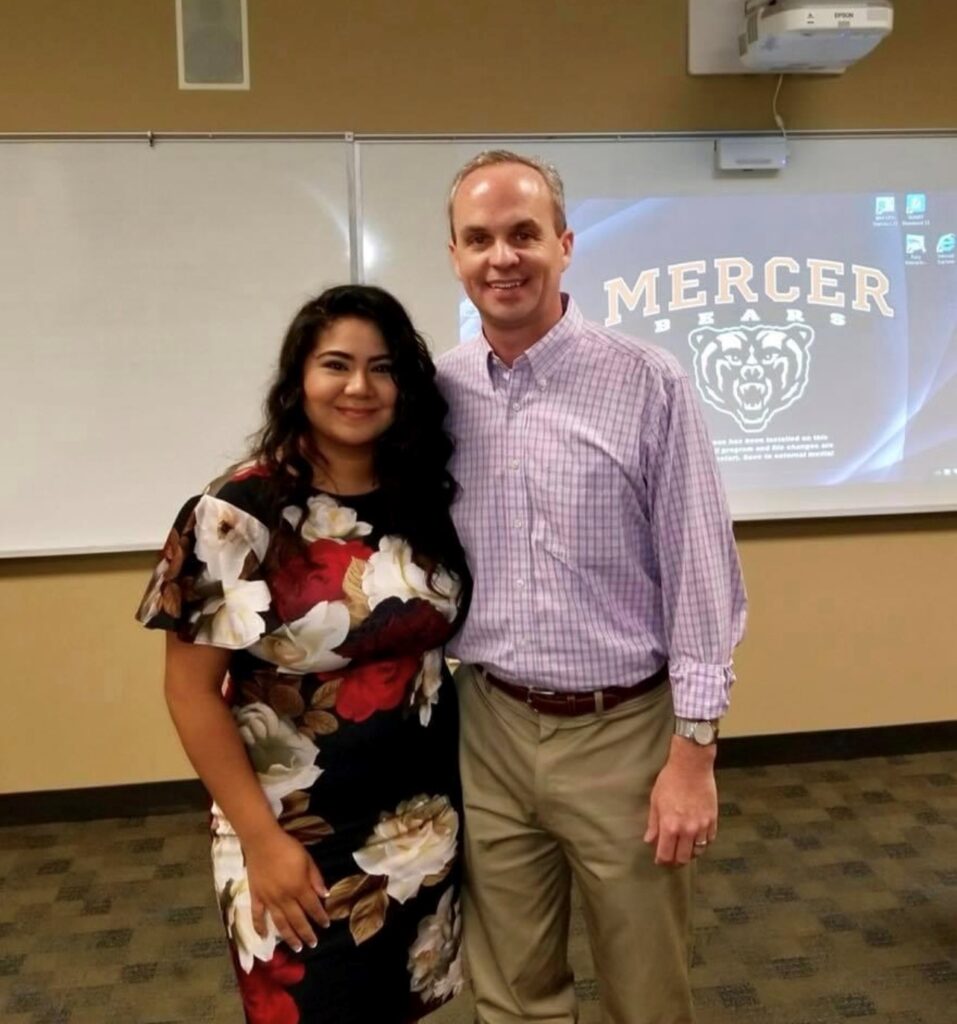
246, 486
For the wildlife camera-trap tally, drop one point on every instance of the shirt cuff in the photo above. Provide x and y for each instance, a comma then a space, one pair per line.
699, 690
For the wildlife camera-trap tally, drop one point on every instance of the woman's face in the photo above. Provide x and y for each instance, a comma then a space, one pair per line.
348, 392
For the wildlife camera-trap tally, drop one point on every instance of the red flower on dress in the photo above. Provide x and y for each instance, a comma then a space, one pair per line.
396, 627
263, 990
303, 580
256, 469
375, 686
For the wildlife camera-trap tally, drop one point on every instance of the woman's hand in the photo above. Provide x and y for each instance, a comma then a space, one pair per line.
284, 880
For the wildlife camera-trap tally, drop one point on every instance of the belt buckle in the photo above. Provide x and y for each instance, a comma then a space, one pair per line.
535, 691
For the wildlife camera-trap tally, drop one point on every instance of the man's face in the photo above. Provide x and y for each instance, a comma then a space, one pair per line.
505, 248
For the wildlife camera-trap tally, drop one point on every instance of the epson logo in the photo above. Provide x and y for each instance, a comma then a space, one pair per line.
844, 15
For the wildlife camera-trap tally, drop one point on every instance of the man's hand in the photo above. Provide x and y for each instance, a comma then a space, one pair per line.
284, 880
683, 812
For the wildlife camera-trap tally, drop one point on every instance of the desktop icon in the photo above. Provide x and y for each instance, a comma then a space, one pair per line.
915, 245
883, 205
916, 204
946, 244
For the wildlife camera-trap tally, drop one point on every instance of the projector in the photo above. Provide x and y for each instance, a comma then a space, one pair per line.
800, 35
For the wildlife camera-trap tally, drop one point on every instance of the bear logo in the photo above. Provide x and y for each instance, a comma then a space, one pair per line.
752, 373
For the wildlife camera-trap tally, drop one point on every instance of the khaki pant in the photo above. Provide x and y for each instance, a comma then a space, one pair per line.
547, 798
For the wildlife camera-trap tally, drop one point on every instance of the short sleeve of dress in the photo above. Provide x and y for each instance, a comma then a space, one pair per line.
207, 585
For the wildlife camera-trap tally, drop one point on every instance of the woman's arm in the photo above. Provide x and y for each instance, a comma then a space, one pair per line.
283, 878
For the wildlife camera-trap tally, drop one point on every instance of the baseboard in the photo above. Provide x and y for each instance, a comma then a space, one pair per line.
146, 798
837, 744
86, 804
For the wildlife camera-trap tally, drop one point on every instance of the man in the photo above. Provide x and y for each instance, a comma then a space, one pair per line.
605, 568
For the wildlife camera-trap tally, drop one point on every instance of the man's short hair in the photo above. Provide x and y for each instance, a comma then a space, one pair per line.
493, 157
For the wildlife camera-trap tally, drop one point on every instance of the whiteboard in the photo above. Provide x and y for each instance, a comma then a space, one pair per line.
871, 452
145, 292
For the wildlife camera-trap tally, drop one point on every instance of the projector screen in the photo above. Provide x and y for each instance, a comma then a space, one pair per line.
815, 310
820, 331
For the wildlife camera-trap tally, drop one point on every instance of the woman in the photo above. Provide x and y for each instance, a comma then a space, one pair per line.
323, 578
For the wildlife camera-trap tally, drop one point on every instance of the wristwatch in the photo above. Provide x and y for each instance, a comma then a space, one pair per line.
704, 733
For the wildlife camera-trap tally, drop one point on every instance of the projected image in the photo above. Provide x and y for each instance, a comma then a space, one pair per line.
820, 330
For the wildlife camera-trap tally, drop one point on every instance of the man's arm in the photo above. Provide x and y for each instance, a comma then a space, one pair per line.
704, 612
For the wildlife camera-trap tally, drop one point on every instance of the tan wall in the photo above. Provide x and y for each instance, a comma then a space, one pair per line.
852, 620
445, 66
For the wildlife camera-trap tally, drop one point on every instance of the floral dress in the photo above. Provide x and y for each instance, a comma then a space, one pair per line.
340, 692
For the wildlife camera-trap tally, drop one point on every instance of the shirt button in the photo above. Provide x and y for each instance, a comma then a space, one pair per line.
520, 583
513, 464
542, 385
517, 523
516, 406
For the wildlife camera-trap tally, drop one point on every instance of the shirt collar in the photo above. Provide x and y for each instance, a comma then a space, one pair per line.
548, 351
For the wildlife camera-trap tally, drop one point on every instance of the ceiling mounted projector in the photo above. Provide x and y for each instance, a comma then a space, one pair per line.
801, 35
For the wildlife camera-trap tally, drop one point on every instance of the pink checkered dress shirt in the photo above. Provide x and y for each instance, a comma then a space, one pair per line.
594, 518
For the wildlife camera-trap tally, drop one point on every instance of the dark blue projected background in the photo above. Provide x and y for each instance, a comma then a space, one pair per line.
820, 331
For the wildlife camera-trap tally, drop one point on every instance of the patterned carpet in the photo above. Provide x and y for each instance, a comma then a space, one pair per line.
831, 896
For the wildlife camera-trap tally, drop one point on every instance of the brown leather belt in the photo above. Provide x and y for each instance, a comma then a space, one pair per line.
553, 702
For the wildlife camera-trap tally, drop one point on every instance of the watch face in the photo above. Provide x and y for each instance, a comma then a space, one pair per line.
703, 733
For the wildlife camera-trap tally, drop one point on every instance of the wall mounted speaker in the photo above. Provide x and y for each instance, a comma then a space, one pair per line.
212, 41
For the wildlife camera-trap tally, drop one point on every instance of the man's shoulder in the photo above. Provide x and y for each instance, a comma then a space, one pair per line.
457, 363
640, 355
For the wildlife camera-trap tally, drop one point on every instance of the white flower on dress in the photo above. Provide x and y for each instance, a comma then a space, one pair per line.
225, 535
164, 592
425, 689
219, 825
435, 957
153, 600
307, 645
326, 519
413, 846
233, 620
391, 572
232, 888
283, 758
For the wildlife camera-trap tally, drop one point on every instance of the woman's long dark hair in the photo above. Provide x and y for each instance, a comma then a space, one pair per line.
410, 458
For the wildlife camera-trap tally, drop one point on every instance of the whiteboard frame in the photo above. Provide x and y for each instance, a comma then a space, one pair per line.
355, 219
